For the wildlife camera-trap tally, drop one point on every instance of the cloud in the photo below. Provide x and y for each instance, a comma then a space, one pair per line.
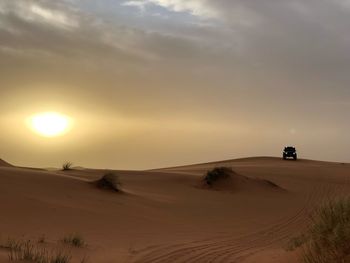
344, 3
40, 12
53, 17
197, 8
139, 4
45, 29
268, 36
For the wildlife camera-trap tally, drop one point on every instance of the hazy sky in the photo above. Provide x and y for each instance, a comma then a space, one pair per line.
153, 83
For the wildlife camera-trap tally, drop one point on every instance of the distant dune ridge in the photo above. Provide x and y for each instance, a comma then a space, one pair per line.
4, 164
164, 216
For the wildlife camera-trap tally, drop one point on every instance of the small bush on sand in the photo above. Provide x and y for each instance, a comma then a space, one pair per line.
42, 239
327, 239
109, 181
74, 240
296, 242
216, 174
26, 250
67, 166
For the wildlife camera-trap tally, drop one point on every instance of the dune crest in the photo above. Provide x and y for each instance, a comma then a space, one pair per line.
226, 179
4, 164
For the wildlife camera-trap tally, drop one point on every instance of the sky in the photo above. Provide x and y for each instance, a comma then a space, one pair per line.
156, 83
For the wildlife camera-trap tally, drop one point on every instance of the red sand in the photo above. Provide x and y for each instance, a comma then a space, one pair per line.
164, 216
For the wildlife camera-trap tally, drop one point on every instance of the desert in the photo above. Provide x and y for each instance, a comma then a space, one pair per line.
174, 131
165, 215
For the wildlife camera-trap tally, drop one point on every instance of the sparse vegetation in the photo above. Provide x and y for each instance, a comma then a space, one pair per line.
327, 240
109, 181
296, 242
84, 259
26, 250
67, 166
216, 174
74, 240
42, 239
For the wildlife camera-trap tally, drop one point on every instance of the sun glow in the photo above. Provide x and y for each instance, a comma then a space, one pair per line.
50, 124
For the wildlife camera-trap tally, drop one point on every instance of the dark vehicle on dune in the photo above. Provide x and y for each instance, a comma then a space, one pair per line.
290, 152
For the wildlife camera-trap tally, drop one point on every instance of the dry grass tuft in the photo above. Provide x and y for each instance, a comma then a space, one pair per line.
67, 166
327, 239
74, 240
26, 250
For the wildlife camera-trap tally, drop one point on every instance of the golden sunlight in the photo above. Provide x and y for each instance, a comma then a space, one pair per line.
50, 124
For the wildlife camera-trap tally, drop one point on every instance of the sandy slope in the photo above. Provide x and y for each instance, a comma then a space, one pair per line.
165, 216
4, 164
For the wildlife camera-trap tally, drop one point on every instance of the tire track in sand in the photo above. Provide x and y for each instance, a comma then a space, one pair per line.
201, 251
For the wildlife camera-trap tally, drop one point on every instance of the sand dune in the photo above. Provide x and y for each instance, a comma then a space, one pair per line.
163, 216
4, 164
236, 182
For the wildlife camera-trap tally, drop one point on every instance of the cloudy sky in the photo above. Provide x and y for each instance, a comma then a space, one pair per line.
153, 83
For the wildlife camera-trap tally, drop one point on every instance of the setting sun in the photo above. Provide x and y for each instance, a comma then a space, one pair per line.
50, 124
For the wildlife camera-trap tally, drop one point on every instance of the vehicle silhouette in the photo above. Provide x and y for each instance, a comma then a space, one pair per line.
290, 152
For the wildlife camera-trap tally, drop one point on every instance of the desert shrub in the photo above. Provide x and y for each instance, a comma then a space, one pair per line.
67, 166
42, 239
217, 174
109, 181
74, 240
295, 242
327, 240
26, 250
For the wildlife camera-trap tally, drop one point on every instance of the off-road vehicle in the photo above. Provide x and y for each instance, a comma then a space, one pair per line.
290, 152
